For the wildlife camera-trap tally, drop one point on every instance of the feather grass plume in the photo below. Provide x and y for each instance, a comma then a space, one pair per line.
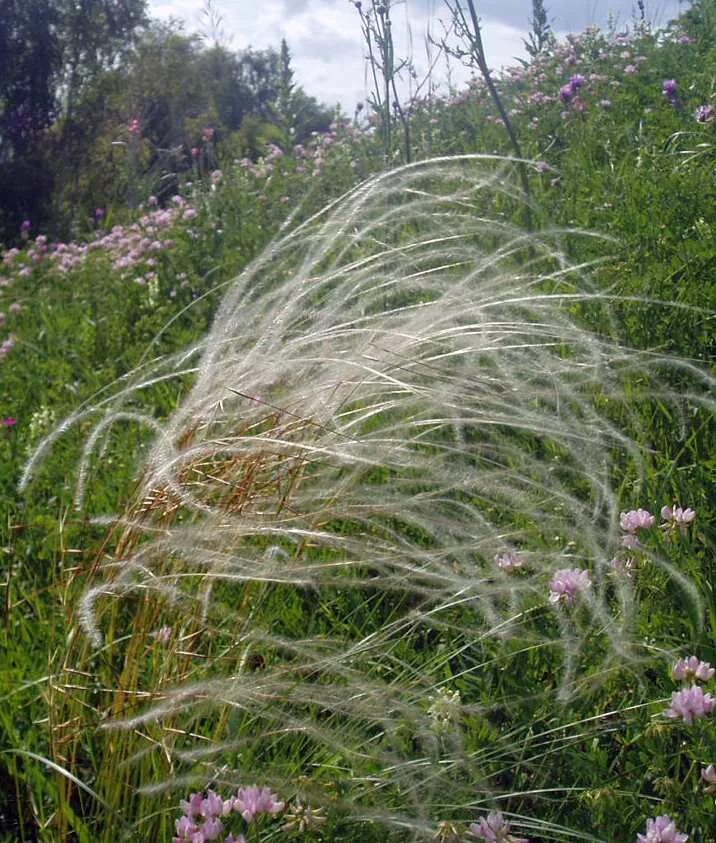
393, 396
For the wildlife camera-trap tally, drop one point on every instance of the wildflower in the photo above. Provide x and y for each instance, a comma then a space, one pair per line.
685, 39
448, 832
708, 774
99, 214
676, 517
577, 81
135, 127
15, 308
631, 70
542, 167
509, 561
195, 152
494, 829
252, 801
634, 520
690, 704
626, 567
566, 93
692, 669
670, 88
567, 584
605, 104
662, 830
705, 113
303, 818
208, 134
216, 177
444, 709
8, 421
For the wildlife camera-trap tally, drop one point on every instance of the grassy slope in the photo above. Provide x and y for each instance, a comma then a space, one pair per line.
624, 171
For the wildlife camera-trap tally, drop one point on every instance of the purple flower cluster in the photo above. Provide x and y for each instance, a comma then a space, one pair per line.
568, 584
494, 829
690, 704
203, 816
509, 561
662, 830
135, 246
677, 517
633, 522
691, 669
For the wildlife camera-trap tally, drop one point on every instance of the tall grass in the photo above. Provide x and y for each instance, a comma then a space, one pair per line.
304, 591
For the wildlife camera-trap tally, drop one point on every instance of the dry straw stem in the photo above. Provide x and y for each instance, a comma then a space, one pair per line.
393, 393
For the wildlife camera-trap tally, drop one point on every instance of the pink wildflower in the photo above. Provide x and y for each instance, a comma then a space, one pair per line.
708, 774
692, 669
662, 830
635, 520
9, 421
677, 517
568, 584
252, 801
15, 308
690, 704
509, 561
494, 829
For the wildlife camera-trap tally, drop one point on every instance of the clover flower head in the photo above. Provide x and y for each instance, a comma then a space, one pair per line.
624, 567
677, 517
662, 830
566, 93
690, 704
303, 818
509, 561
708, 774
568, 584
692, 668
252, 801
705, 113
444, 709
494, 829
670, 88
635, 520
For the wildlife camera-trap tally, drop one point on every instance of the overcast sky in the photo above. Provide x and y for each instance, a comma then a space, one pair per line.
325, 40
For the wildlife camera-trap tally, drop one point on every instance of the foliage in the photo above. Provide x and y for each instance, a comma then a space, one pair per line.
447, 714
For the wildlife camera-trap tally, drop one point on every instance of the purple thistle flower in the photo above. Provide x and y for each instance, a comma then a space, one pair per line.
568, 584
692, 668
252, 801
690, 704
494, 829
662, 830
8, 422
577, 81
705, 113
670, 88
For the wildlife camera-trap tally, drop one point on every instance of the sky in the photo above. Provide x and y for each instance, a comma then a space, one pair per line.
328, 53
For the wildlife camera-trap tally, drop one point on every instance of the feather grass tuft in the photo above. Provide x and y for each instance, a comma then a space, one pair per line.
397, 393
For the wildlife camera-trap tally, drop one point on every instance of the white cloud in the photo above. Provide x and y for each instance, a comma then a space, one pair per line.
325, 39
328, 52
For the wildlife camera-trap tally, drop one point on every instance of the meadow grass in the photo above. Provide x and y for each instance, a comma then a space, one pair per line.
283, 571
